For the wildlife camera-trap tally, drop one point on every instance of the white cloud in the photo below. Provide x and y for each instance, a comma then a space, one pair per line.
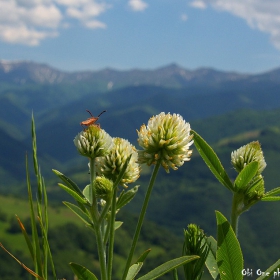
86, 11
259, 14
198, 4
23, 35
94, 24
45, 16
31, 21
137, 5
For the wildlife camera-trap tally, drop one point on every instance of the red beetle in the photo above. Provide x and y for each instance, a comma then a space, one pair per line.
92, 120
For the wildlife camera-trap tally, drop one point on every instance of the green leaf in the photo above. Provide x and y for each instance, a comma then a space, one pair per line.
268, 273
212, 160
126, 197
70, 184
74, 194
273, 192
133, 271
87, 193
245, 176
272, 195
118, 224
229, 256
166, 267
143, 256
211, 262
82, 273
270, 198
81, 214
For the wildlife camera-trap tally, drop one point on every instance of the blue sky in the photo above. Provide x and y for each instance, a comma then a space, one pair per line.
72, 35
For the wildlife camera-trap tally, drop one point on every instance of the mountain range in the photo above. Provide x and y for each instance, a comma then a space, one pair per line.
59, 99
172, 75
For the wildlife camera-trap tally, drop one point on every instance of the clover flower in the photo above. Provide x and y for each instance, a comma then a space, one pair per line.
167, 139
93, 142
246, 154
111, 165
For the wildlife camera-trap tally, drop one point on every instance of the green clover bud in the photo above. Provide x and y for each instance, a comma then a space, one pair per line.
103, 187
195, 245
111, 165
167, 139
246, 154
93, 142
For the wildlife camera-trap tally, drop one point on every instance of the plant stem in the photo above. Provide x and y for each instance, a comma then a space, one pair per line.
112, 234
101, 252
97, 223
141, 219
175, 275
92, 191
235, 213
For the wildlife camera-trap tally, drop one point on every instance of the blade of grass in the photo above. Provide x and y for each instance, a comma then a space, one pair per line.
22, 264
35, 160
26, 237
35, 237
47, 249
45, 220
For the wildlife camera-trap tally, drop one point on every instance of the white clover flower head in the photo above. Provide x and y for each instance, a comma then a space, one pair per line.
111, 165
247, 154
93, 142
167, 139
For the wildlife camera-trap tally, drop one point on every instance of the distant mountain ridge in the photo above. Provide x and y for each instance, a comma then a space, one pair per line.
173, 75
59, 99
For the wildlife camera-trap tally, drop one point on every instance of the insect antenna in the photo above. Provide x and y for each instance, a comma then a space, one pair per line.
89, 112
101, 113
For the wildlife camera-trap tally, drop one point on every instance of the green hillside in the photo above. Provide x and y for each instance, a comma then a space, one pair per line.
71, 241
